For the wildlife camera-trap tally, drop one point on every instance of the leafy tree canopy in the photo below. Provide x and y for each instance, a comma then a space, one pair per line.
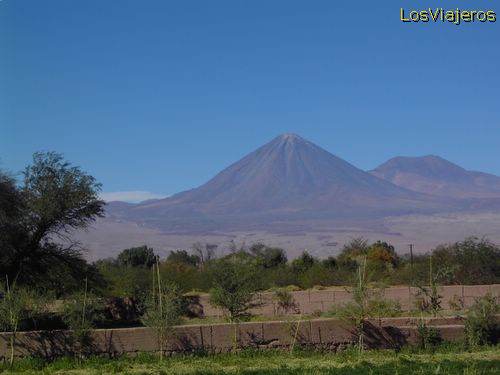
268, 257
183, 257
141, 256
54, 199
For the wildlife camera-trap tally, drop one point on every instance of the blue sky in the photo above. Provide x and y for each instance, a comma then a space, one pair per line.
158, 96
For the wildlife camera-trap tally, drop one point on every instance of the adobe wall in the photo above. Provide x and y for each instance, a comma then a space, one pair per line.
315, 301
330, 334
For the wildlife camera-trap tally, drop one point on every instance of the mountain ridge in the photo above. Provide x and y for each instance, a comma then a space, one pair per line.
431, 174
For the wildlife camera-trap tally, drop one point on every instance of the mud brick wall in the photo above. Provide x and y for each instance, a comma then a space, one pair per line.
329, 334
312, 301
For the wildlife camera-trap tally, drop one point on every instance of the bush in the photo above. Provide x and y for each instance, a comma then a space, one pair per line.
380, 307
80, 313
285, 301
428, 300
481, 325
15, 306
429, 337
163, 312
141, 256
234, 286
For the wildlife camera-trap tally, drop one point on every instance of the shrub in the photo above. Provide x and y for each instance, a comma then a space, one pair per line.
456, 303
356, 312
162, 313
380, 307
429, 337
163, 309
481, 325
234, 286
285, 301
428, 300
80, 313
141, 256
15, 306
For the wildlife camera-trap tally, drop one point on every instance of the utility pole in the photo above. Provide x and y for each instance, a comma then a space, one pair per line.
411, 263
411, 275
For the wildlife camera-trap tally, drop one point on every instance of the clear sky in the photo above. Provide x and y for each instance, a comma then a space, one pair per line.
158, 96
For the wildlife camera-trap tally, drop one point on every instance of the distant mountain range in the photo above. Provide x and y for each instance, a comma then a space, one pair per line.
294, 194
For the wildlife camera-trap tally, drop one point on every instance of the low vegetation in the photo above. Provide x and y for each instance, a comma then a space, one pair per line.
441, 360
163, 310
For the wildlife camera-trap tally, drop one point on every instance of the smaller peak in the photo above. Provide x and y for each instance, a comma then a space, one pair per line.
429, 157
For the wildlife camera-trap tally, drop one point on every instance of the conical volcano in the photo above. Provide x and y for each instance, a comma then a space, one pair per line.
287, 179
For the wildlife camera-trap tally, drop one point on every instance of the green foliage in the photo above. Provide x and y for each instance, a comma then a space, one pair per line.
141, 256
429, 337
234, 286
120, 281
80, 313
472, 261
442, 360
185, 277
163, 309
428, 300
268, 257
330, 263
12, 207
481, 324
381, 307
285, 301
317, 275
16, 305
303, 263
456, 303
355, 249
205, 252
54, 199
356, 312
183, 257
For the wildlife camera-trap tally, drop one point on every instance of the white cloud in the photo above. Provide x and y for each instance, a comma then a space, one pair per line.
130, 196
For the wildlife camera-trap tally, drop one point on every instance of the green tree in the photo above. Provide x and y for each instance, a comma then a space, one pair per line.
141, 256
234, 287
54, 199
132, 282
303, 262
268, 257
183, 257
354, 250
472, 261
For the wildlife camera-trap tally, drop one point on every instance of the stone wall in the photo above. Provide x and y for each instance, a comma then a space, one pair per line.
317, 301
329, 334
